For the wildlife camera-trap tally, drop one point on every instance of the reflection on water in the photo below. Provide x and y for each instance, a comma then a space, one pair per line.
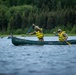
37, 60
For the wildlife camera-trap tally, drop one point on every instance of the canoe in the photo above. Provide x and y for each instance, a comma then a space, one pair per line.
18, 41
9, 37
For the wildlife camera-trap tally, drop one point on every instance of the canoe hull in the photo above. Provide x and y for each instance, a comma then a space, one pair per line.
19, 41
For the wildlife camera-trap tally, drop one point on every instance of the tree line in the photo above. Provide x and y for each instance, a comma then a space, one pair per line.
17, 16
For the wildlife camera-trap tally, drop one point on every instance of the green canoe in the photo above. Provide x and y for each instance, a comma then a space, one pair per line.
18, 41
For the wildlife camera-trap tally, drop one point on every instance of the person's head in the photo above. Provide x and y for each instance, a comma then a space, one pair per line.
59, 30
35, 27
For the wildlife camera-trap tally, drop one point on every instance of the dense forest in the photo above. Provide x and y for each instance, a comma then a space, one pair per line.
17, 16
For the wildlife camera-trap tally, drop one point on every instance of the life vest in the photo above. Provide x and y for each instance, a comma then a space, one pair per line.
61, 37
39, 34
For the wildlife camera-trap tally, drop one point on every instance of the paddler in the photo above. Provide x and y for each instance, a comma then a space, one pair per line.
39, 33
61, 35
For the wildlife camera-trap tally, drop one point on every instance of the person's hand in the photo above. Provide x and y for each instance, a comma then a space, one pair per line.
54, 32
29, 33
33, 24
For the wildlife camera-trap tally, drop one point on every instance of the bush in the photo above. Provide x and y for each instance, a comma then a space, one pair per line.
18, 31
74, 29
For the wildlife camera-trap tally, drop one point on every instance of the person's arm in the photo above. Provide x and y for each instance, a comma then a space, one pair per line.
32, 33
37, 27
56, 34
65, 35
40, 29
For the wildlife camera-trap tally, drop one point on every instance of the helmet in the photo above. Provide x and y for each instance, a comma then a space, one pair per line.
59, 30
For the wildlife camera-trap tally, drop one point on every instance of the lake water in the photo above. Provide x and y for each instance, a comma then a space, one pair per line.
37, 60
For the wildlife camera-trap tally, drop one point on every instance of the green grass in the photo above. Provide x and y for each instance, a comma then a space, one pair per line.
54, 35
4, 35
72, 34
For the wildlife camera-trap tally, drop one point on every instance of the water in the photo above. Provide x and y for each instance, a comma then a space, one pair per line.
37, 60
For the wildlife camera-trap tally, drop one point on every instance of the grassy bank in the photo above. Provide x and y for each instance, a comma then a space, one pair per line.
53, 34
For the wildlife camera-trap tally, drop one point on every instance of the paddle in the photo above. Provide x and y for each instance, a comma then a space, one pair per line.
29, 30
68, 43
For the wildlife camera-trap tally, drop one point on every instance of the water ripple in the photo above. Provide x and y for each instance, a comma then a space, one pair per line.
37, 60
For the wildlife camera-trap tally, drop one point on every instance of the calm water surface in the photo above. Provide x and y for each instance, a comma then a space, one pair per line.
37, 60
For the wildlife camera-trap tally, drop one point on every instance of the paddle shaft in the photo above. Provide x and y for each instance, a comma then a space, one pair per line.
29, 30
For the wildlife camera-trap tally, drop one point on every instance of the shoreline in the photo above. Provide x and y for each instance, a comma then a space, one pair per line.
24, 35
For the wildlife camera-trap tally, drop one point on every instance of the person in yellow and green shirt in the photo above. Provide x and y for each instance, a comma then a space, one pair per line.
61, 35
39, 33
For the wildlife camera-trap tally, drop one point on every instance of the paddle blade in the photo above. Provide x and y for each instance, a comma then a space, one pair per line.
68, 43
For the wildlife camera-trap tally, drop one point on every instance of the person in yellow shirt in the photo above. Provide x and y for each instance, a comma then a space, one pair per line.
39, 33
61, 35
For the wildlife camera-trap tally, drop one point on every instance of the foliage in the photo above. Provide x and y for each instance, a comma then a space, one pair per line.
18, 31
18, 15
74, 29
